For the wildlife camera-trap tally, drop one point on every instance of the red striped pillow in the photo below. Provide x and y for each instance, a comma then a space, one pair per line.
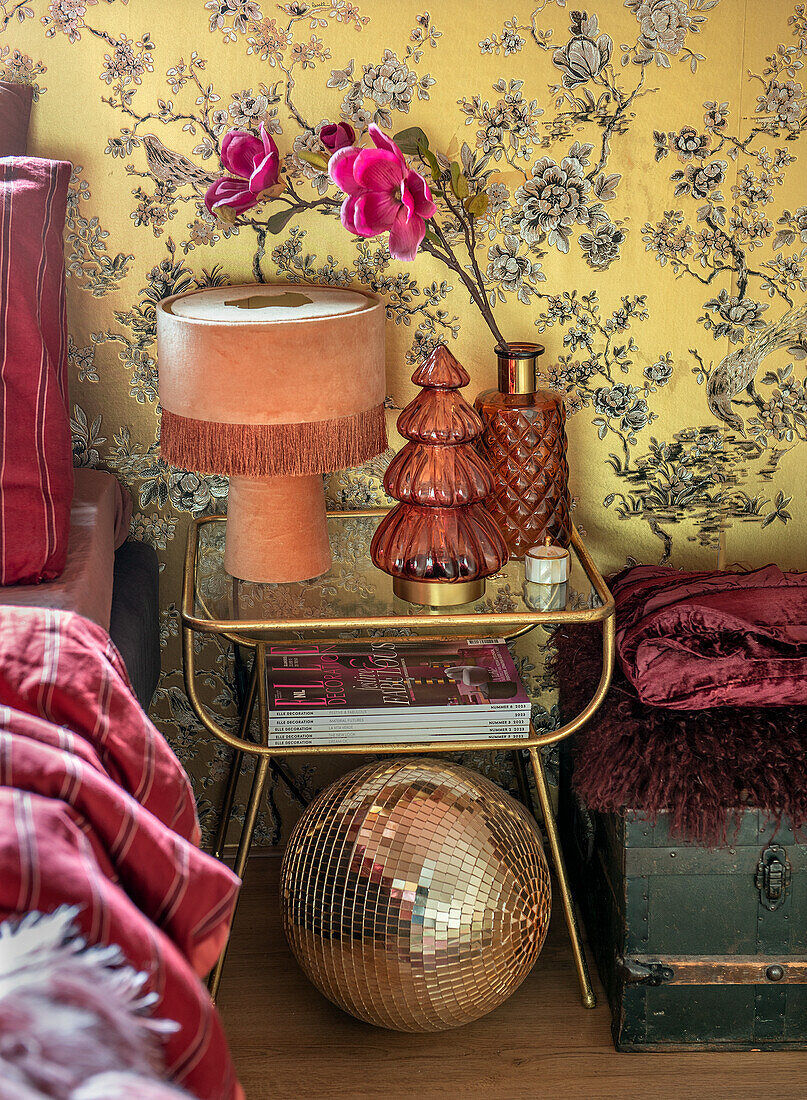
36, 463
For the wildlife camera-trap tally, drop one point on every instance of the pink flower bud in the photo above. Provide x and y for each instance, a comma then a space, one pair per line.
336, 135
243, 154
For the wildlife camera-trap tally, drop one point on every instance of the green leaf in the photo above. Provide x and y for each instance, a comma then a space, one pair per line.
459, 184
433, 164
430, 235
317, 159
278, 221
477, 205
412, 140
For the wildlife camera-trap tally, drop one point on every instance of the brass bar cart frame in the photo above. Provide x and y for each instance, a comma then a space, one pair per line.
258, 633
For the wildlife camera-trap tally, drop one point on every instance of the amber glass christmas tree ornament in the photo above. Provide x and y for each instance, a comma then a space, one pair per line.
440, 542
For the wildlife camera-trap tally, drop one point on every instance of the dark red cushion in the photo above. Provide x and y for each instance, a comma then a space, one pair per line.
15, 110
689, 641
36, 466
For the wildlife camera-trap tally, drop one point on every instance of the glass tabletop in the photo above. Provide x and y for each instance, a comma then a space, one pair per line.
355, 596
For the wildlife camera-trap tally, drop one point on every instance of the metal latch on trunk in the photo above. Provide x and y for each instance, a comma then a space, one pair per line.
634, 972
773, 876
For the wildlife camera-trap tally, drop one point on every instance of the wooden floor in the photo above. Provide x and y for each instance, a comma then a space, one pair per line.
290, 1043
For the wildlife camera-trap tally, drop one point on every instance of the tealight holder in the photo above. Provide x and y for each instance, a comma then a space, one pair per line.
546, 575
545, 597
547, 564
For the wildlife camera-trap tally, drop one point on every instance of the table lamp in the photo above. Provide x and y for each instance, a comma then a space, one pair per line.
272, 386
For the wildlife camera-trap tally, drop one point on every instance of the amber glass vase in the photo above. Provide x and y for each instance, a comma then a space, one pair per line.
524, 443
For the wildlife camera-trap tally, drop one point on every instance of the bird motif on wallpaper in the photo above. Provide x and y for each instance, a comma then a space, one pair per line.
737, 371
171, 167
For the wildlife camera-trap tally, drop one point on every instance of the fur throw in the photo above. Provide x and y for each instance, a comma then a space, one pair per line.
74, 1021
703, 767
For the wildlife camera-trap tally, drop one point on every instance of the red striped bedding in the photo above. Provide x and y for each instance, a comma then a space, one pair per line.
96, 811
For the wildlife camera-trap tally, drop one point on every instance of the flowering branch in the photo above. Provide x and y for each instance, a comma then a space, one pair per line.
7, 15
421, 220
382, 194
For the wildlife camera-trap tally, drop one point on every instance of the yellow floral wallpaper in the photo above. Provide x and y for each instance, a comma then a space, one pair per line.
644, 217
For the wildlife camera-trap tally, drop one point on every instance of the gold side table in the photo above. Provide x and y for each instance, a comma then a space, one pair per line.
356, 598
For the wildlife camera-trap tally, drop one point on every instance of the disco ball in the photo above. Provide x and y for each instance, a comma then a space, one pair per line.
415, 894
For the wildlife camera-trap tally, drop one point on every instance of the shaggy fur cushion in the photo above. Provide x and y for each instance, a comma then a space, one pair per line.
701, 766
74, 1024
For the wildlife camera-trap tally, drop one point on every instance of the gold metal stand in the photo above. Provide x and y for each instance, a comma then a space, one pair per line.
255, 633
551, 825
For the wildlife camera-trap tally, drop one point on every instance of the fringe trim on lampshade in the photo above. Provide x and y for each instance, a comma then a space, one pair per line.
272, 450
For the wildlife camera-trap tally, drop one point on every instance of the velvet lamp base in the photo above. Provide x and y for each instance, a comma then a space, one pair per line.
276, 529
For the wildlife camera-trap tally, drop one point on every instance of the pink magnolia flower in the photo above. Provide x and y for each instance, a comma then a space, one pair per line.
255, 167
382, 193
234, 194
336, 135
251, 158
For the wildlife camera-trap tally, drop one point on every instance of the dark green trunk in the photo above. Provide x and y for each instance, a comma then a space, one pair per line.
697, 948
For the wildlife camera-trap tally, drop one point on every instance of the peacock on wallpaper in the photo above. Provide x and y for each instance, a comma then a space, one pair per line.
637, 177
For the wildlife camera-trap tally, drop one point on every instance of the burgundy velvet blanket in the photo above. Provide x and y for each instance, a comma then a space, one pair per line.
690, 641
700, 766
705, 716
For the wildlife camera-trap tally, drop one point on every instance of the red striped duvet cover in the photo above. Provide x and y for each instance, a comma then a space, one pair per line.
96, 811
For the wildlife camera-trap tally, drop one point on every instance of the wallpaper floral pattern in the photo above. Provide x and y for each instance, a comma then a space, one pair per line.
638, 176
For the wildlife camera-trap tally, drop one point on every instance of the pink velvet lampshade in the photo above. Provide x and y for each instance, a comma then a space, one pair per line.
272, 386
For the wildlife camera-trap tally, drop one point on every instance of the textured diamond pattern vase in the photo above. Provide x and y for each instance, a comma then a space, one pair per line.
440, 542
415, 894
524, 443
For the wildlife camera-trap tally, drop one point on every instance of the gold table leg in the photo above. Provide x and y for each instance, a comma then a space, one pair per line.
262, 766
522, 783
226, 812
235, 766
244, 844
589, 999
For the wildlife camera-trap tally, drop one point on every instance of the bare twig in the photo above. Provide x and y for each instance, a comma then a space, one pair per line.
613, 122
477, 293
9, 15
290, 83
480, 292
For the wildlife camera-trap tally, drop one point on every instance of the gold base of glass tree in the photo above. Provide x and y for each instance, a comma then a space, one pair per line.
437, 594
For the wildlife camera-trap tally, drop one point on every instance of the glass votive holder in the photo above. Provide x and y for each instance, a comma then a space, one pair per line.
547, 564
545, 597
